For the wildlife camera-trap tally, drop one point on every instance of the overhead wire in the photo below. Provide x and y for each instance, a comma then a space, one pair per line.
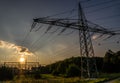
102, 8
107, 43
102, 3
66, 51
41, 35
59, 14
45, 41
37, 42
107, 17
51, 41
25, 38
51, 36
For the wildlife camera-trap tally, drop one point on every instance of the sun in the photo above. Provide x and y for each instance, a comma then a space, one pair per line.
22, 59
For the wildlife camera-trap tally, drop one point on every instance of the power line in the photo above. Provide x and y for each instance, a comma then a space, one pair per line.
44, 42
47, 39
26, 36
102, 3
38, 40
88, 66
67, 51
101, 9
107, 17
60, 13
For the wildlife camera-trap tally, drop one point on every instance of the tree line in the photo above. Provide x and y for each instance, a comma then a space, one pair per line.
70, 67
110, 63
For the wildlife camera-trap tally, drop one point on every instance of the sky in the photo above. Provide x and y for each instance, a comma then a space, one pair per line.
16, 17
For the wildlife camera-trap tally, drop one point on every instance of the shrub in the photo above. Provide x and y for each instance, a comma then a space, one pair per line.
37, 75
6, 73
55, 73
72, 71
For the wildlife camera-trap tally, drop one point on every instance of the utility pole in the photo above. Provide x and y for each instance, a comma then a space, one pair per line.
88, 63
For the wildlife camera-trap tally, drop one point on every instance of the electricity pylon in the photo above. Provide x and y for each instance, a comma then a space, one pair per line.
88, 63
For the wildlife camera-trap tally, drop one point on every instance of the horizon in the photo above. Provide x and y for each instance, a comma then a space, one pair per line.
17, 41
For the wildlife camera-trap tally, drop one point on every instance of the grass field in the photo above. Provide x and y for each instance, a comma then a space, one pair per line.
48, 78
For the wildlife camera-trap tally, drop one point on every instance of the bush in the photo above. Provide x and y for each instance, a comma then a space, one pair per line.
72, 71
37, 76
55, 73
6, 73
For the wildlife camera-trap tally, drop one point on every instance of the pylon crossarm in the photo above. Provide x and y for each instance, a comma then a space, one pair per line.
73, 25
57, 22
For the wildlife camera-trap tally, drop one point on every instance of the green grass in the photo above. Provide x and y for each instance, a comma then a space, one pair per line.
48, 78
116, 81
105, 75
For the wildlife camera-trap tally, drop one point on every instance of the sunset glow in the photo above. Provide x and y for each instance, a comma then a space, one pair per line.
20, 36
22, 59
13, 52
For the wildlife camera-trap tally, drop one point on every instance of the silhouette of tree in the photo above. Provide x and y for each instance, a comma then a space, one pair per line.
6, 73
111, 62
73, 70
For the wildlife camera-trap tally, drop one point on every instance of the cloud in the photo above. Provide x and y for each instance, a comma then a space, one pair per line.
21, 49
13, 51
0, 43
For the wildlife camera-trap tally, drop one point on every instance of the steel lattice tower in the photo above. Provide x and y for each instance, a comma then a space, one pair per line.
88, 63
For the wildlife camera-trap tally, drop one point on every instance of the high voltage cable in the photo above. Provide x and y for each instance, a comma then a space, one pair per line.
41, 36
65, 50
72, 47
86, 48
38, 40
60, 13
51, 41
68, 52
101, 9
38, 44
26, 36
101, 44
102, 3
62, 51
47, 17
48, 39
107, 17
44, 43
94, 5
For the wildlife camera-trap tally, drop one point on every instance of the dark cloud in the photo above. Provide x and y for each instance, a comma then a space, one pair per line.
23, 49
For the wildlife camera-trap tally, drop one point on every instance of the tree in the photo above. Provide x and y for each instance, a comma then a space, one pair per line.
73, 70
109, 54
55, 73
6, 73
111, 62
